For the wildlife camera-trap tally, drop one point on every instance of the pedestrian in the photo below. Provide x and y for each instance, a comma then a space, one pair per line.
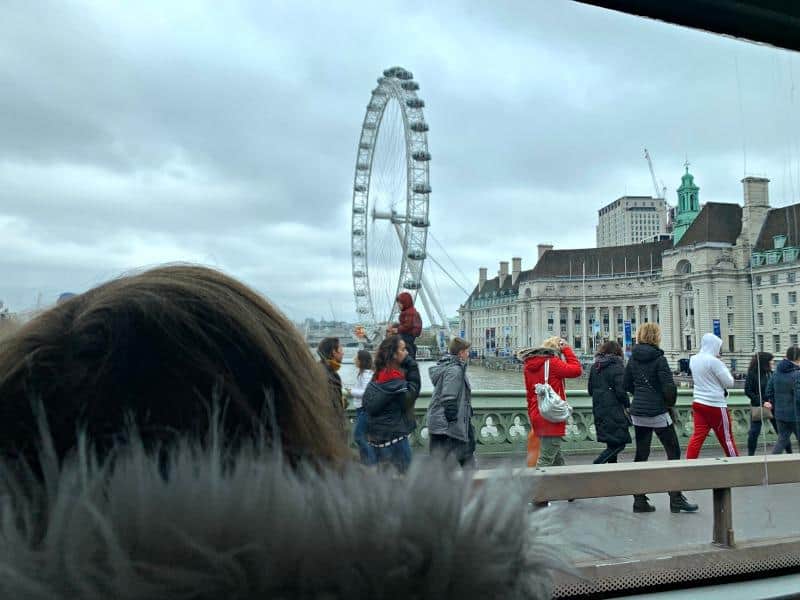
609, 402
157, 350
364, 376
711, 380
649, 380
450, 430
330, 354
409, 327
783, 396
389, 401
755, 387
562, 364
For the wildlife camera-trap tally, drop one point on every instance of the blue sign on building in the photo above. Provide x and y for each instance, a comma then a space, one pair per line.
628, 338
716, 327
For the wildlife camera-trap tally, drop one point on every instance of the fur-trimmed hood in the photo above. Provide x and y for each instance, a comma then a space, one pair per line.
245, 526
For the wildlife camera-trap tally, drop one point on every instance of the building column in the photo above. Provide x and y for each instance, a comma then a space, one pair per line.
676, 322
612, 323
570, 326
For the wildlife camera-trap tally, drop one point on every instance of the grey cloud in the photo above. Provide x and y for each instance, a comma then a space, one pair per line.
227, 133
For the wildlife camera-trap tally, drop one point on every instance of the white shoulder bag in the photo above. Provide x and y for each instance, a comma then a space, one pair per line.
551, 406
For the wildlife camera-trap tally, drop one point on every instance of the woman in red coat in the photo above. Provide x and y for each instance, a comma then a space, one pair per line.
563, 365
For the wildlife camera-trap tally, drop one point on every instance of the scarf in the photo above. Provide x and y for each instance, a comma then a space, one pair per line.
335, 366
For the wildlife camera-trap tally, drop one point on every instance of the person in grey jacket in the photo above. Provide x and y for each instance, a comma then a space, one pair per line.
450, 413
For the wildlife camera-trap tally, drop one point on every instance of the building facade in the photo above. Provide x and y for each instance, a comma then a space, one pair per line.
631, 220
734, 271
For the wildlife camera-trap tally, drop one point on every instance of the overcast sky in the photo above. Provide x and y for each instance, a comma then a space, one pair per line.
225, 133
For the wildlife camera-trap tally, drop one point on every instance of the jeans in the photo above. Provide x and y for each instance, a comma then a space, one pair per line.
755, 431
550, 453
397, 455
785, 431
365, 451
609, 455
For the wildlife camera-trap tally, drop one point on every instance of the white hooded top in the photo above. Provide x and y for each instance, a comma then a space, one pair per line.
710, 375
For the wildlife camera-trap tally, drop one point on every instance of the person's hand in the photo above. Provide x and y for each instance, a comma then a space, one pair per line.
562, 343
768, 405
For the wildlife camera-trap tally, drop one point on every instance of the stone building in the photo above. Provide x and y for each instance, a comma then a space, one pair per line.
733, 270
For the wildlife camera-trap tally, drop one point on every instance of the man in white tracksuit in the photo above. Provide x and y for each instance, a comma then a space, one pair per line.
710, 403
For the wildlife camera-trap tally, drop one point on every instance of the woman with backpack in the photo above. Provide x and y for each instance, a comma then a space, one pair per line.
649, 379
364, 366
557, 358
609, 402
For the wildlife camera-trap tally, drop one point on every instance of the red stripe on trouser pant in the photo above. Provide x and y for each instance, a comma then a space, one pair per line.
707, 418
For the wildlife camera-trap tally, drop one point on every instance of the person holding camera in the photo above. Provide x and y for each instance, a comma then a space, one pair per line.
561, 363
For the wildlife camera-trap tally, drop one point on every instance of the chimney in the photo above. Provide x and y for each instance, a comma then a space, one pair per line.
544, 248
502, 273
481, 278
516, 268
756, 206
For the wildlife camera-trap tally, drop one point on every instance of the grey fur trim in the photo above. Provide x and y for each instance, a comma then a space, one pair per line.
249, 527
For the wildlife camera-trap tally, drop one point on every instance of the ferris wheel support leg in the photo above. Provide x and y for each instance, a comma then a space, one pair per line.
426, 286
426, 303
424, 291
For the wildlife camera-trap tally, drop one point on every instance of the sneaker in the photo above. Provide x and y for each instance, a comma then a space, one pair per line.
641, 504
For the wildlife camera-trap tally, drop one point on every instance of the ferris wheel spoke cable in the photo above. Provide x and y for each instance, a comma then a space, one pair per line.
450, 258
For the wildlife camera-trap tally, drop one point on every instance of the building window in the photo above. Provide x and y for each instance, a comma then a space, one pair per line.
791, 277
775, 300
760, 342
792, 297
776, 318
759, 300
688, 342
793, 339
550, 320
730, 320
773, 278
731, 347
792, 317
758, 280
730, 301
776, 343
760, 317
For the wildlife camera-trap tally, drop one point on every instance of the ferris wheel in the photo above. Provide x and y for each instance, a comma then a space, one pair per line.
391, 194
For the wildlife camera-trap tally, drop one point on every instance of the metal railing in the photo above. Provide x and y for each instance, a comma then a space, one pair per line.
683, 565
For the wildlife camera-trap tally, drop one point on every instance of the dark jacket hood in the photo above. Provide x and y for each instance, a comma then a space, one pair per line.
646, 353
405, 300
393, 386
445, 362
786, 365
244, 525
601, 361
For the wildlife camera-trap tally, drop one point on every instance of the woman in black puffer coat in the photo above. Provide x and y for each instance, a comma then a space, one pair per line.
609, 402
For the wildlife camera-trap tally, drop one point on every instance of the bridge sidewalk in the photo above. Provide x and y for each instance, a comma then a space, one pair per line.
606, 529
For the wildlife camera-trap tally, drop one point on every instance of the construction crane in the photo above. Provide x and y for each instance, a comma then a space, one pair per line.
663, 192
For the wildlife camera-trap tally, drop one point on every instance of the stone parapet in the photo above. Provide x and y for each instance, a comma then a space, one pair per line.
502, 426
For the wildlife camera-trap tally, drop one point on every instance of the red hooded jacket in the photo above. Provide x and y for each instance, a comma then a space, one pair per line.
410, 321
559, 370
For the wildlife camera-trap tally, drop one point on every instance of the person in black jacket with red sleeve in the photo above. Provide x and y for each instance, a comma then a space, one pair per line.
609, 402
